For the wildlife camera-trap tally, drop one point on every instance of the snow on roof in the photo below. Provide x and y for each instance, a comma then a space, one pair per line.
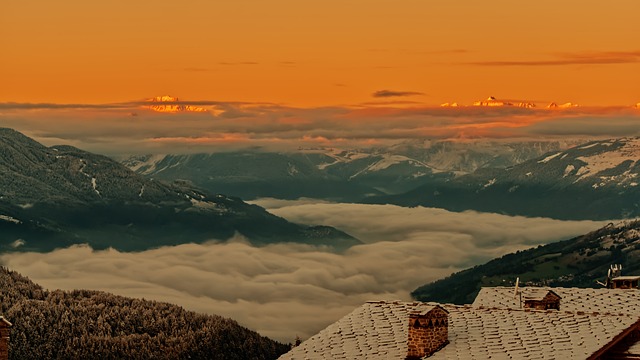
614, 301
379, 330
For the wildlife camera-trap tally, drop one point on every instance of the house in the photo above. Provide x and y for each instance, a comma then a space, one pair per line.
382, 330
501, 324
618, 301
625, 282
5, 327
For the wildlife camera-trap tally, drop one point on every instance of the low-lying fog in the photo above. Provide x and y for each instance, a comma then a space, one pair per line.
284, 290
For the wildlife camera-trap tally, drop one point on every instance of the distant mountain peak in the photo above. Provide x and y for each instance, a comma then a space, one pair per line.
566, 105
491, 101
170, 104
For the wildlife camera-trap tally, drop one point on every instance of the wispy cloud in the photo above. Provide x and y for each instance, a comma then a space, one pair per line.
393, 93
286, 290
580, 58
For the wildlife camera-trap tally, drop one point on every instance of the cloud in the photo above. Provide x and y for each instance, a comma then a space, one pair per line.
392, 93
130, 105
284, 290
581, 58
110, 129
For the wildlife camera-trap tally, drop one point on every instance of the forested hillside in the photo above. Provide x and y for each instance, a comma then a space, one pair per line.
85, 324
576, 262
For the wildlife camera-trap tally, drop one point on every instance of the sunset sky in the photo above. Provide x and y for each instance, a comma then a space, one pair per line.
313, 53
312, 57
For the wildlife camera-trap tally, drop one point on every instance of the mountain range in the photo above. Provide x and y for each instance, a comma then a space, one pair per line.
337, 174
577, 262
596, 180
56, 196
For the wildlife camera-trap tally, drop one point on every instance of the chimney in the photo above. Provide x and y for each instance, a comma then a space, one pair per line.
428, 332
4, 338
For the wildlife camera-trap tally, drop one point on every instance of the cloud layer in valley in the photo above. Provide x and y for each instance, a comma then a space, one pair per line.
284, 290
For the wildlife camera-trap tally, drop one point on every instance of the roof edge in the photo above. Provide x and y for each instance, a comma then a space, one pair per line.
614, 341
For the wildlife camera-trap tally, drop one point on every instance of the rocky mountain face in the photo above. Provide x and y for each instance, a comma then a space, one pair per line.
577, 262
84, 324
341, 175
595, 180
57, 196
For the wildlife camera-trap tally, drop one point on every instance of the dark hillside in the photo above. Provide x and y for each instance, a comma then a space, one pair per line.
83, 324
577, 262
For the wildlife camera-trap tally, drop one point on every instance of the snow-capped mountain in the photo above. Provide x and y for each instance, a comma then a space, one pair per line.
561, 106
344, 175
60, 195
493, 102
169, 104
595, 180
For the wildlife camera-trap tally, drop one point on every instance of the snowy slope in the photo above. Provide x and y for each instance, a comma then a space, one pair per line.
595, 180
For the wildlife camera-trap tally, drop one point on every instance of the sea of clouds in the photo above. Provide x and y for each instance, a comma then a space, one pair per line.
289, 290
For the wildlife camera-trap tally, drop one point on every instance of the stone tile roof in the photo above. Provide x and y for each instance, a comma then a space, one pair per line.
379, 330
628, 277
614, 301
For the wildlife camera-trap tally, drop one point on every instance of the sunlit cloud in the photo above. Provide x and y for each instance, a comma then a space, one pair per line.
284, 290
113, 128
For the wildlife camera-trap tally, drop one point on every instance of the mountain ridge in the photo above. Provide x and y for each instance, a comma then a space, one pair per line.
576, 262
336, 174
597, 180
57, 196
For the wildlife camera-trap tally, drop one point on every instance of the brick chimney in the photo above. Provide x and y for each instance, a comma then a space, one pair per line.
4, 338
428, 332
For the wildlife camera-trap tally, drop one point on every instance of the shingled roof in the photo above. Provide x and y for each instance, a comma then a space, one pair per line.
379, 330
602, 300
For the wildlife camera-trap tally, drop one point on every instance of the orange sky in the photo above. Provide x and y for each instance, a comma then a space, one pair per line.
317, 53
